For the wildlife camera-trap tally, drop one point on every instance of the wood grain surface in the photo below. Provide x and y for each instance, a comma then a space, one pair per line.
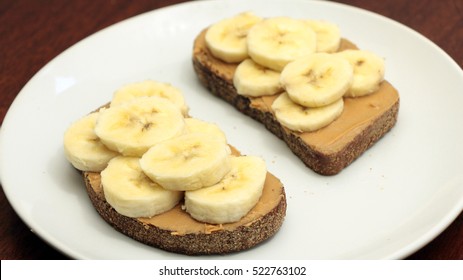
34, 32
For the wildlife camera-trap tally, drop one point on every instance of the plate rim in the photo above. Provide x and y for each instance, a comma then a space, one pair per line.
43, 234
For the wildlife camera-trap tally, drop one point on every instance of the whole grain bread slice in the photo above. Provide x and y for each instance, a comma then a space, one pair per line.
326, 151
176, 231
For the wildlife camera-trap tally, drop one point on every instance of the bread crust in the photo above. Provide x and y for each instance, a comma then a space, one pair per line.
215, 242
324, 163
205, 243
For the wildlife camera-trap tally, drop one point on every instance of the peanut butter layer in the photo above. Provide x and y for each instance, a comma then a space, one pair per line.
358, 113
178, 222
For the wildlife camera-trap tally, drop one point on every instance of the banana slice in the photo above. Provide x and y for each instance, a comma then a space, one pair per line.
368, 71
194, 125
131, 193
150, 88
328, 35
226, 39
187, 162
83, 148
305, 119
317, 80
231, 198
252, 79
133, 127
276, 41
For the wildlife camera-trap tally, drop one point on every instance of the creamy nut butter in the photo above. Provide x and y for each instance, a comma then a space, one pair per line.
179, 222
358, 112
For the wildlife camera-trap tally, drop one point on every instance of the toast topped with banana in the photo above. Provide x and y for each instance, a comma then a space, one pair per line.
169, 180
317, 91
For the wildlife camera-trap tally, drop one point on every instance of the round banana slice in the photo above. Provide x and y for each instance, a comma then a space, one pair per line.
226, 39
276, 41
252, 79
305, 119
133, 127
328, 35
194, 125
231, 198
127, 189
317, 80
150, 88
368, 71
83, 148
187, 162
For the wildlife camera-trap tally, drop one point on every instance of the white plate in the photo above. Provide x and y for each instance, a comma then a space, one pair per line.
390, 202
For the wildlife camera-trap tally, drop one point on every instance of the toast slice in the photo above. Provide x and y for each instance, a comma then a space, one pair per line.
176, 231
326, 151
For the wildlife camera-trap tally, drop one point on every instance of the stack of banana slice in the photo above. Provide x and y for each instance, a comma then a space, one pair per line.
298, 60
151, 155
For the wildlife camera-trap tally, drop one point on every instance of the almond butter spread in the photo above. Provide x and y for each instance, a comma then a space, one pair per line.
358, 112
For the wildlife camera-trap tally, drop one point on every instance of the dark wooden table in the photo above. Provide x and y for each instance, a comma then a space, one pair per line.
34, 32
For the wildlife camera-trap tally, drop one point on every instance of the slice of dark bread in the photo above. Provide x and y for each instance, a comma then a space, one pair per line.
177, 232
326, 151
